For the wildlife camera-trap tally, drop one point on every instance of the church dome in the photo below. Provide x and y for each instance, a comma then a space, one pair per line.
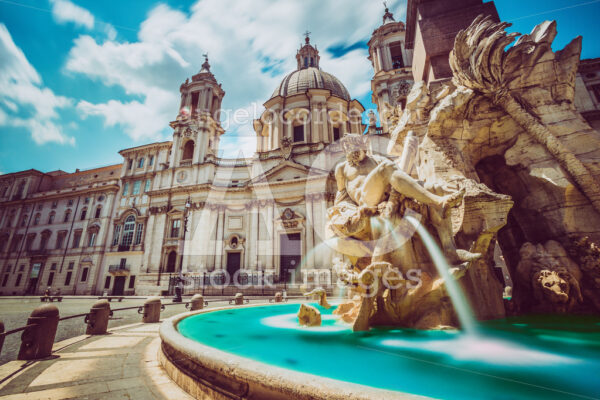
303, 79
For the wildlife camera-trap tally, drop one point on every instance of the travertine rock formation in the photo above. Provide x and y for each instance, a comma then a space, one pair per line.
309, 316
506, 129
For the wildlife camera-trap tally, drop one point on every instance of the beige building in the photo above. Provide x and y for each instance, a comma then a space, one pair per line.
175, 206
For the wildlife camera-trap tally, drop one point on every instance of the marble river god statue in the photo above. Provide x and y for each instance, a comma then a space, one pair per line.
373, 194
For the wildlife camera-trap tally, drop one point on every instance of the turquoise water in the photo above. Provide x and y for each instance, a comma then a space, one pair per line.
545, 357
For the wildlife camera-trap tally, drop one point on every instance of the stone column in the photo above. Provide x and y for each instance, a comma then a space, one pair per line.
256, 234
251, 240
148, 241
219, 238
310, 242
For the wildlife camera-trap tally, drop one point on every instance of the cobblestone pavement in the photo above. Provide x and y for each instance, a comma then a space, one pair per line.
14, 313
120, 365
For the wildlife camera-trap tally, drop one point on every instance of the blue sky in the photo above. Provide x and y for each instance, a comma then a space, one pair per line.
82, 79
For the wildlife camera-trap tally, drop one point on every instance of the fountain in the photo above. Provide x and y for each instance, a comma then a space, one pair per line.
422, 313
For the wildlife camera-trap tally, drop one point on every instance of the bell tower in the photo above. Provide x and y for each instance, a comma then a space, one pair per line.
392, 78
197, 128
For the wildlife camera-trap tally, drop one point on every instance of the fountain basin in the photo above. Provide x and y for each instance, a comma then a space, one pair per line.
258, 352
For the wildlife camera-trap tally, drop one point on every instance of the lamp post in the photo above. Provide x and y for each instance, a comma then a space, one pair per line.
179, 287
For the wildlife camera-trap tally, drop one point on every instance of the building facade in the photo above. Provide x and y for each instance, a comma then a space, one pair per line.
175, 207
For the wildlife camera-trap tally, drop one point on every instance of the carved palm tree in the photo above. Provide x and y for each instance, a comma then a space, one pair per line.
480, 63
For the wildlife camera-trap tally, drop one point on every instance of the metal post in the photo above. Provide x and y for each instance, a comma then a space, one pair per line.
203, 282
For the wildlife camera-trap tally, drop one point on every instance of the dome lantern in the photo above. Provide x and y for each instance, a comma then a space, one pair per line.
307, 56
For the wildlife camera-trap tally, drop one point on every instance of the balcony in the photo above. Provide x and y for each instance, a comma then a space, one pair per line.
123, 247
37, 252
119, 270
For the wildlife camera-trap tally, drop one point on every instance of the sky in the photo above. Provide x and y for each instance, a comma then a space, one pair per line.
82, 79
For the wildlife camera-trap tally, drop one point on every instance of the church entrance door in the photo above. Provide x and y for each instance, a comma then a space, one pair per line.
290, 256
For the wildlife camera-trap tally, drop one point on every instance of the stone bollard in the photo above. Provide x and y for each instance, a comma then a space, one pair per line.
151, 310
278, 297
197, 303
1, 337
239, 299
37, 341
97, 319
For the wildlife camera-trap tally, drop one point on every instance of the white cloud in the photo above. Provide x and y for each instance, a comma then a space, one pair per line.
251, 46
28, 103
65, 11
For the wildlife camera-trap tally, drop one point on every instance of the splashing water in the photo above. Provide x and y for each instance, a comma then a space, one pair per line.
459, 301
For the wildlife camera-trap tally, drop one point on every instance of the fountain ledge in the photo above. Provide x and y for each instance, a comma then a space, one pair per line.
208, 373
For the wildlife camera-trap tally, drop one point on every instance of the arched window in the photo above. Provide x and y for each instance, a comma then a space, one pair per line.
51, 217
98, 210
83, 213
188, 150
128, 229
67, 216
36, 219
44, 240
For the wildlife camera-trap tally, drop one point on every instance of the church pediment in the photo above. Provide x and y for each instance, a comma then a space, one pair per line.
287, 171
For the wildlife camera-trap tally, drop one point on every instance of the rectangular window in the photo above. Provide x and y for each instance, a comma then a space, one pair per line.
7, 268
83, 213
54, 203
71, 265
67, 216
18, 282
68, 278
14, 245
147, 185
151, 161
136, 187
70, 202
76, 239
126, 189
141, 163
92, 239
138, 233
107, 283
175, 225
5, 280
51, 219
24, 220
98, 211
131, 281
116, 235
60, 238
336, 134
87, 200
22, 268
84, 274
29, 242
53, 267
130, 164
299, 133
50, 279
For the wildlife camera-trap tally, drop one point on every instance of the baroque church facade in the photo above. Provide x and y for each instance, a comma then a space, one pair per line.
175, 207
